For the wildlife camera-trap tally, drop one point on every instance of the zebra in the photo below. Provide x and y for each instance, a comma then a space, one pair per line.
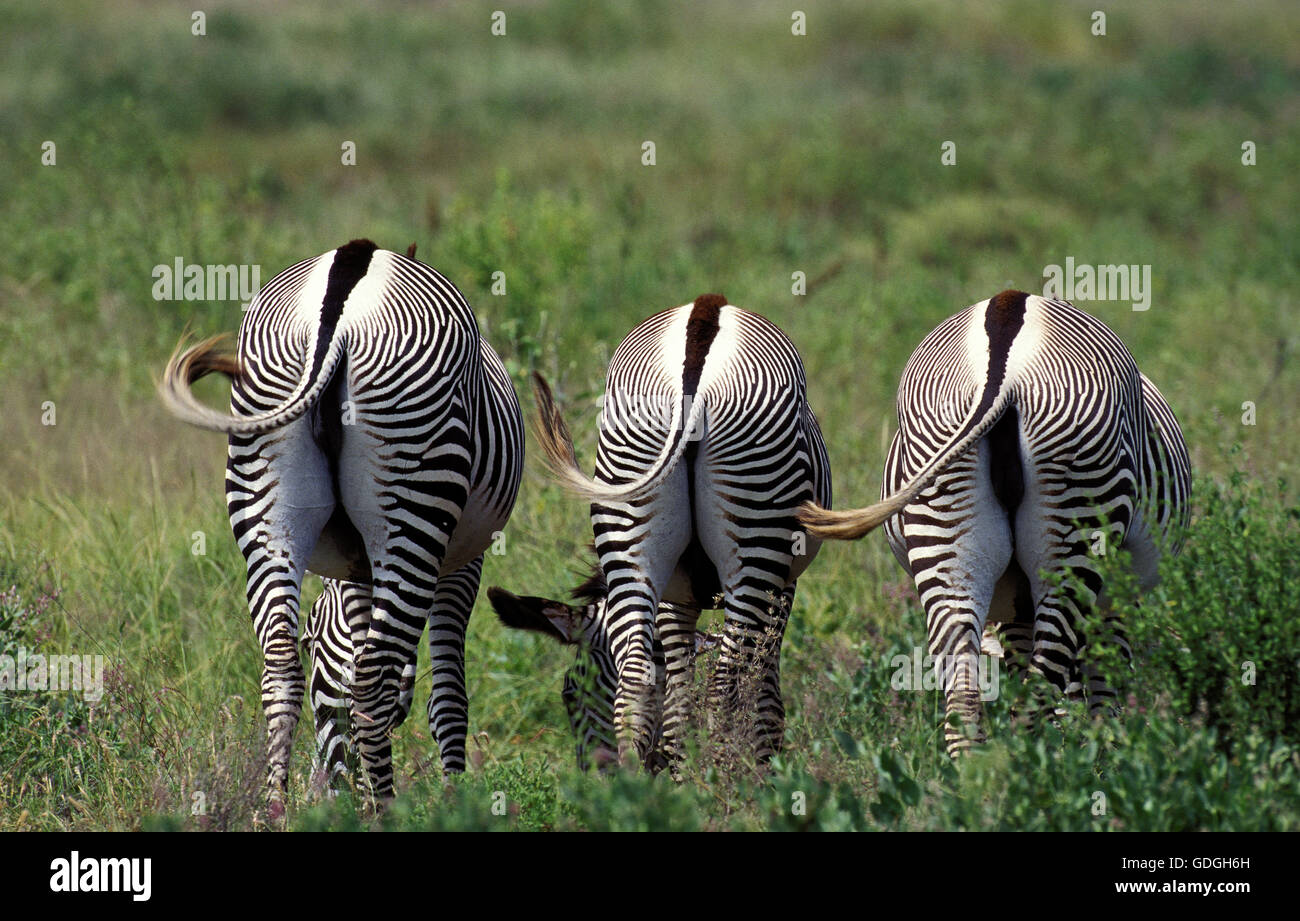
707, 449
374, 438
1025, 431
328, 639
337, 616
589, 684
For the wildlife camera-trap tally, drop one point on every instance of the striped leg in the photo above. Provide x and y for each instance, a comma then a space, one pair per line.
632, 608
337, 612
676, 627
959, 544
771, 707
1055, 652
954, 644
397, 620
754, 476
1096, 690
1058, 638
406, 519
448, 702
273, 598
589, 692
329, 685
745, 696
276, 530
639, 545
1102, 698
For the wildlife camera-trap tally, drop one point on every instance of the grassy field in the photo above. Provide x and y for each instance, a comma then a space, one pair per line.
775, 154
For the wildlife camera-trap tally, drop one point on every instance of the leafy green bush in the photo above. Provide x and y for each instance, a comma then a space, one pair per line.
50, 740
1137, 772
1219, 638
533, 248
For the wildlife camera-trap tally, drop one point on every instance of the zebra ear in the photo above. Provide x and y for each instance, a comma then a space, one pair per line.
541, 615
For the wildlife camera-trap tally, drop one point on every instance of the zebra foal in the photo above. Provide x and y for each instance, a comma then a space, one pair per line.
707, 449
1024, 428
374, 439
589, 685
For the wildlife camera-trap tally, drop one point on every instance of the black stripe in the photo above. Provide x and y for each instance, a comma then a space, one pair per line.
701, 329
350, 265
1003, 319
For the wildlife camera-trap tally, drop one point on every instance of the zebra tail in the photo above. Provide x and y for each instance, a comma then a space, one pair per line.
557, 451
188, 365
851, 524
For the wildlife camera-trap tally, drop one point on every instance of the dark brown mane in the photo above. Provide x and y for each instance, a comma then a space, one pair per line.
593, 588
701, 329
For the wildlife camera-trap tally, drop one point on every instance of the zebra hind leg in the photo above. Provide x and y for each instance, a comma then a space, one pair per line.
955, 645
957, 580
282, 683
274, 585
636, 698
745, 707
1058, 642
384, 672
771, 707
407, 509
328, 691
676, 628
1101, 696
448, 707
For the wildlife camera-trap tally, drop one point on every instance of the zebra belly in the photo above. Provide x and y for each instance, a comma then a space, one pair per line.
477, 528
340, 553
694, 582
1143, 551
1012, 600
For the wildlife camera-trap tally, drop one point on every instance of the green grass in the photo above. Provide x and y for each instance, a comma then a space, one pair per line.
521, 154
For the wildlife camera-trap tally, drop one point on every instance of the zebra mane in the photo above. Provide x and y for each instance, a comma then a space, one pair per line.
593, 588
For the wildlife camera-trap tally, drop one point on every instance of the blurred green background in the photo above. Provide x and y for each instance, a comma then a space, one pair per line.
775, 153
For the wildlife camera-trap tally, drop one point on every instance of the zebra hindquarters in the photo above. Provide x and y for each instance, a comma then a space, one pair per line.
770, 732
958, 545
280, 496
